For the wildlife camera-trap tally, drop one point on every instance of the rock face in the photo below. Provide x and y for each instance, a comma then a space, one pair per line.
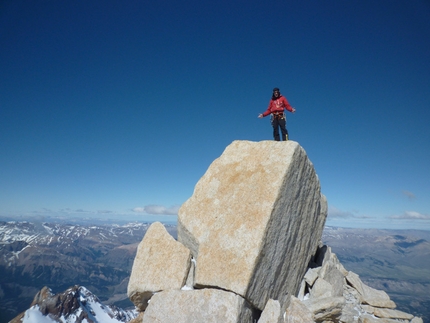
253, 227
370, 295
257, 208
205, 305
345, 298
271, 313
160, 263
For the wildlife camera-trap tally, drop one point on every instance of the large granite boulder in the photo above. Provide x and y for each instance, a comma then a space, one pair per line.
254, 220
253, 227
297, 312
271, 313
161, 263
205, 305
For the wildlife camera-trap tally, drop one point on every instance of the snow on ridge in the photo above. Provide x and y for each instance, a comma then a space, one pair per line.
89, 307
15, 254
99, 312
49, 233
33, 315
48, 229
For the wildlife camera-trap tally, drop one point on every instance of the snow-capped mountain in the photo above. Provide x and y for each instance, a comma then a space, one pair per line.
60, 255
64, 234
75, 305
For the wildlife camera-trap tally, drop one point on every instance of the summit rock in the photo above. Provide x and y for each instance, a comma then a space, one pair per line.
161, 263
254, 220
251, 250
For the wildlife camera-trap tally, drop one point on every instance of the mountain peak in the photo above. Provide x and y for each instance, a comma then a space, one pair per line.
75, 305
249, 250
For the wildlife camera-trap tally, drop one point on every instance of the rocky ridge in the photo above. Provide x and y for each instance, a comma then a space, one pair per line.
330, 293
249, 250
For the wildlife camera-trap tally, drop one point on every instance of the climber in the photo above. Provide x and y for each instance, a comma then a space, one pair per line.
276, 108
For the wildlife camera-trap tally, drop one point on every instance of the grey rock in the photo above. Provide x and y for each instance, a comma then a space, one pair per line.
366, 318
321, 289
271, 312
302, 290
331, 272
311, 276
393, 314
350, 313
368, 309
198, 306
160, 263
253, 226
297, 312
325, 309
335, 278
368, 294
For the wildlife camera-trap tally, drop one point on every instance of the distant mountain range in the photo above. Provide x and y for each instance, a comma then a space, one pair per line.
99, 257
60, 255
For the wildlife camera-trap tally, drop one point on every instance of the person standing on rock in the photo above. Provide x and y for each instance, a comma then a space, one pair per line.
276, 108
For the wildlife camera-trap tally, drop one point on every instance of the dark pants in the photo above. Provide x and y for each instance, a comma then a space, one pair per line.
279, 123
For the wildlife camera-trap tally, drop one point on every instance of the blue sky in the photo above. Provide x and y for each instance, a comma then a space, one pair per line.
115, 109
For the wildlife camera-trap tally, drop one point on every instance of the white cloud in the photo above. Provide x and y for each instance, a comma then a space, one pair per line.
363, 217
411, 215
334, 212
410, 195
157, 210
69, 211
104, 212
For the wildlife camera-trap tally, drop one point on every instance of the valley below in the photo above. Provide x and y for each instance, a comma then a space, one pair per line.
58, 254
396, 261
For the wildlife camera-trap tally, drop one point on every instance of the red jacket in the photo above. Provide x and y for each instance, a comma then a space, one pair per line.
278, 106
